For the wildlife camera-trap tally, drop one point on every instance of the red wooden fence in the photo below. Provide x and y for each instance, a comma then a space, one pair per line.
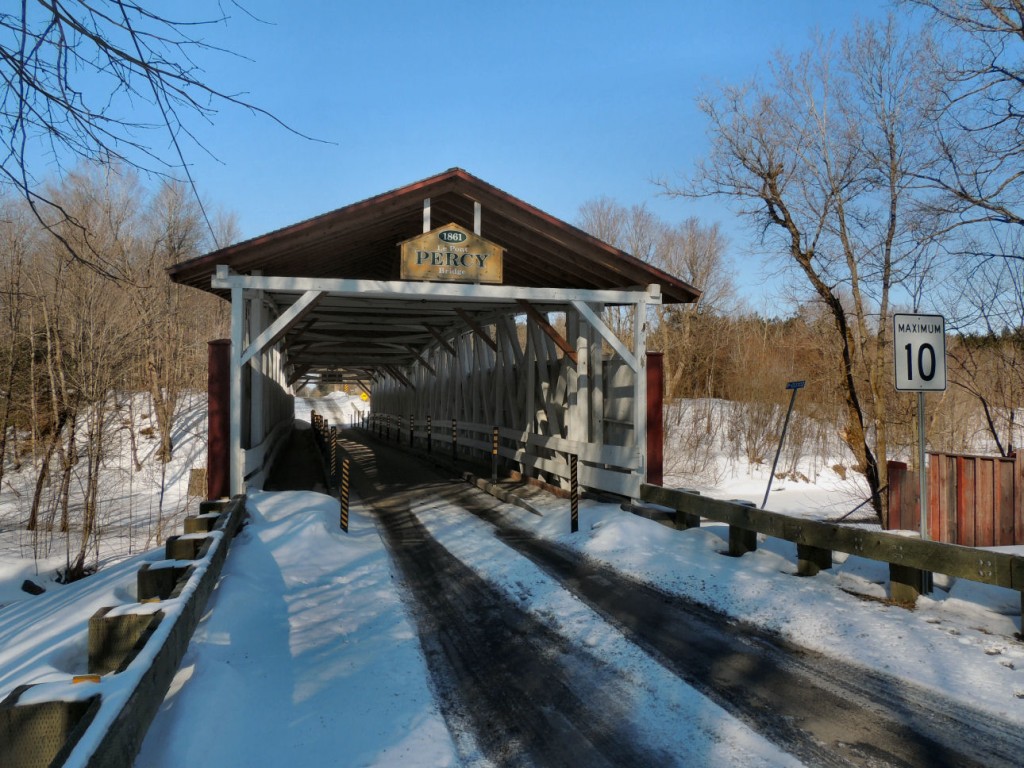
977, 501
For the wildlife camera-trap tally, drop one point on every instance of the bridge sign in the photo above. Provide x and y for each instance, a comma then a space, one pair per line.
919, 352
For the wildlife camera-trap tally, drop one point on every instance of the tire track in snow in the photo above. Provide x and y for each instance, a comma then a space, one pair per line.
516, 691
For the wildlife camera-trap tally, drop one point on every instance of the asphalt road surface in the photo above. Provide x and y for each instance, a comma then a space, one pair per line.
531, 697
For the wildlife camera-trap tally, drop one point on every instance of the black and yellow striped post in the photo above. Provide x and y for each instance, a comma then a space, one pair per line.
494, 455
430, 436
343, 491
455, 441
412, 428
334, 454
574, 494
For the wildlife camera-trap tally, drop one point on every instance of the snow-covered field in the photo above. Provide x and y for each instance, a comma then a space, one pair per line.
308, 640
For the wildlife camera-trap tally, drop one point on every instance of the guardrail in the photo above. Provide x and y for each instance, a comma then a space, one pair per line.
610, 468
911, 560
100, 718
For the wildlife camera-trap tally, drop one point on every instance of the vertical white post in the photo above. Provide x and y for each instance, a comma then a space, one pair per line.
597, 382
237, 340
583, 338
426, 215
477, 216
257, 404
640, 386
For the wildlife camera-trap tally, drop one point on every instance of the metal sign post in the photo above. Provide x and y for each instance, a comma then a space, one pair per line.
796, 386
919, 357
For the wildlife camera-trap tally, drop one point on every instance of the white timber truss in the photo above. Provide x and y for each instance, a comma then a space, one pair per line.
539, 364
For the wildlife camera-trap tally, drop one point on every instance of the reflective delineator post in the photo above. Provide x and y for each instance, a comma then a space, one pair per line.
343, 492
412, 429
334, 454
455, 441
574, 494
494, 455
430, 435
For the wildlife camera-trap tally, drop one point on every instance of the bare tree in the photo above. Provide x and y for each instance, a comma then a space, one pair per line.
821, 159
15, 239
111, 81
979, 124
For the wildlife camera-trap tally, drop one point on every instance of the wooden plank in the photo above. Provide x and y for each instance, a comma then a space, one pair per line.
984, 504
544, 325
616, 455
469, 320
1004, 518
934, 507
1018, 498
947, 498
896, 471
966, 498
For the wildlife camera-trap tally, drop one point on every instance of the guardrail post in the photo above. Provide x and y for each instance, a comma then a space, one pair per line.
741, 540
906, 584
42, 733
810, 560
686, 520
115, 640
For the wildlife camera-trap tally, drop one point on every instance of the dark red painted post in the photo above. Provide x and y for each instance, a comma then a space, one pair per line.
655, 419
218, 419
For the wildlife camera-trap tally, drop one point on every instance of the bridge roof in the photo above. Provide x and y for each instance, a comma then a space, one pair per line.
334, 280
360, 241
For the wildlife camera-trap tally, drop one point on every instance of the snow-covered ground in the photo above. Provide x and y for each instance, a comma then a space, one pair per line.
308, 640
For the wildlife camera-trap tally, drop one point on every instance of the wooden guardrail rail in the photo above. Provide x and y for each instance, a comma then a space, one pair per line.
911, 560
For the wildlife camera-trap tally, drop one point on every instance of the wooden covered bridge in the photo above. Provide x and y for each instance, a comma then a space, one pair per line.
457, 308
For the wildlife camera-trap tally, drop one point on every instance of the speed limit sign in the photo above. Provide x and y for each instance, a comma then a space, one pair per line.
919, 352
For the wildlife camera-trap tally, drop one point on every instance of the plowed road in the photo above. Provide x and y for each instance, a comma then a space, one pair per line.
524, 694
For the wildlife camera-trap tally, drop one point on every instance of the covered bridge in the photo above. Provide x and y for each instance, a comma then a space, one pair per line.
458, 308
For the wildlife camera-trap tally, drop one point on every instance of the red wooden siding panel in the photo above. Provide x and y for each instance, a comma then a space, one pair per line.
966, 513
984, 512
1004, 503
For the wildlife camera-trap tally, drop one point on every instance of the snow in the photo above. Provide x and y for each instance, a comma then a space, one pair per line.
308, 649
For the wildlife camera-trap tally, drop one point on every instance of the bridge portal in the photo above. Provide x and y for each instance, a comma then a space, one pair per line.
457, 309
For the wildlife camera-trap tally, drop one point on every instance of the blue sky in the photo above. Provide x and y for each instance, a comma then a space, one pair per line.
554, 102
